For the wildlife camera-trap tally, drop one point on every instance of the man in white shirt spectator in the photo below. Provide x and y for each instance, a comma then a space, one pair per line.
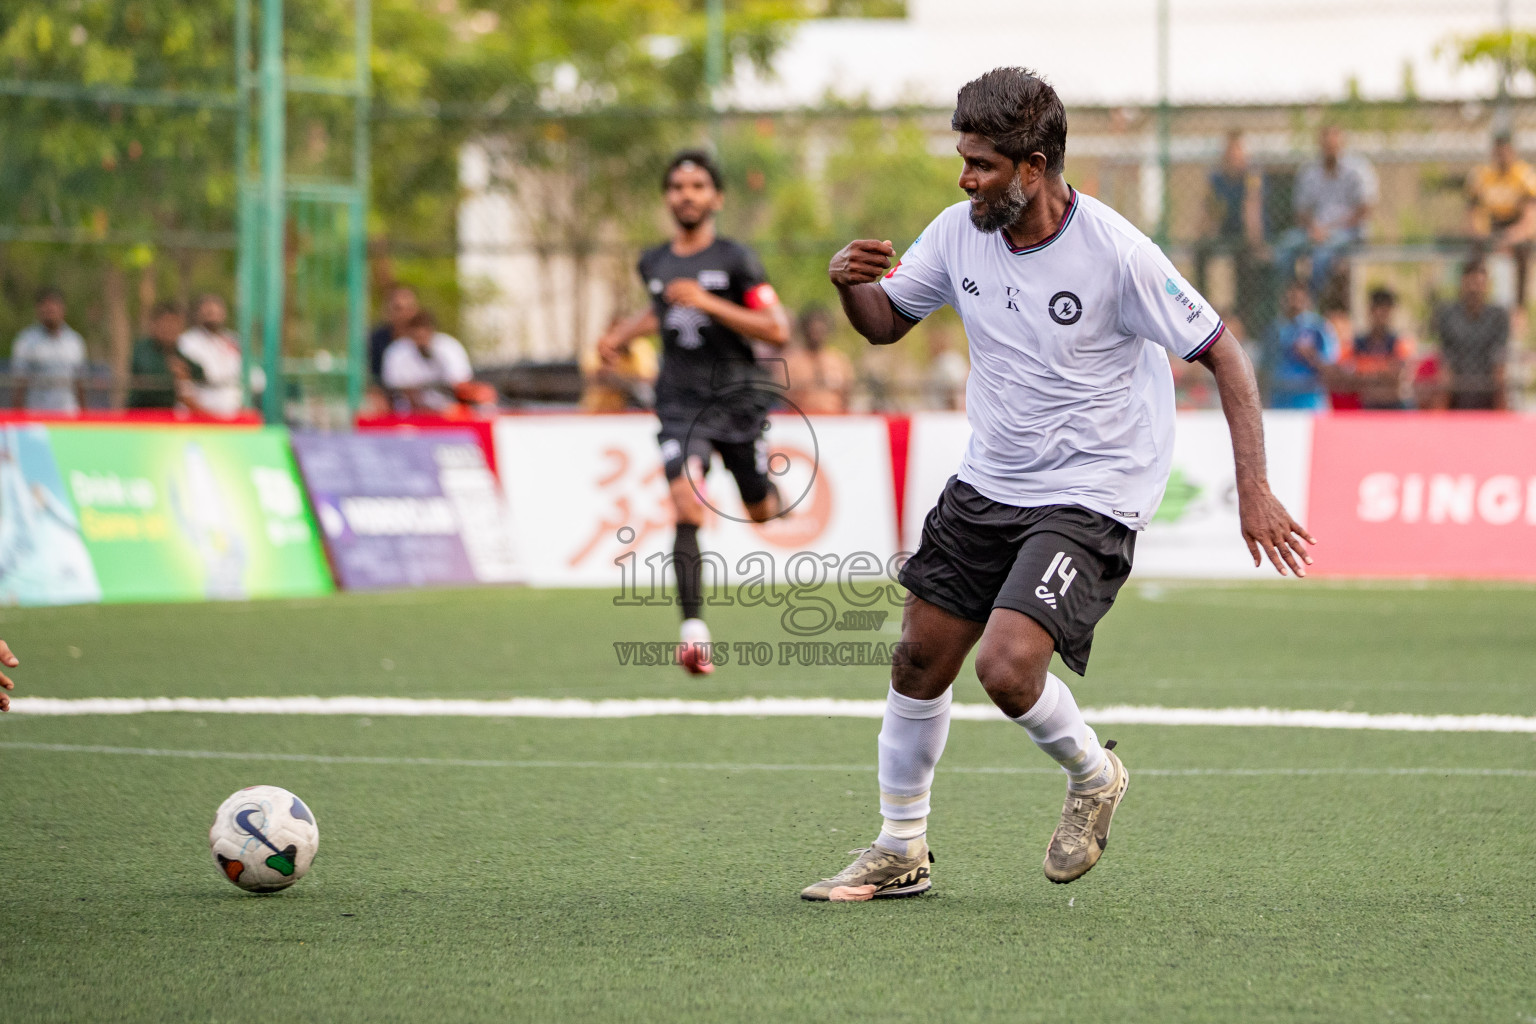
212, 353
1332, 201
48, 359
424, 368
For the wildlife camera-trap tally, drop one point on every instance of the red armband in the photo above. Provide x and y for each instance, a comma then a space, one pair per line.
761, 297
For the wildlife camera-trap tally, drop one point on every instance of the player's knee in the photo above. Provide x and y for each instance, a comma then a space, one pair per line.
1012, 669
917, 677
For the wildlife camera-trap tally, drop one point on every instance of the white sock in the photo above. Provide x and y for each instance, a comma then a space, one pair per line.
911, 739
1057, 727
695, 631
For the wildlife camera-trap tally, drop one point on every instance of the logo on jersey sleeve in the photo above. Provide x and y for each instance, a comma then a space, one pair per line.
1183, 298
1066, 308
910, 250
969, 286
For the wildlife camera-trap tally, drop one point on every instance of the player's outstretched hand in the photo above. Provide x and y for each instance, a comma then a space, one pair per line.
860, 262
1269, 528
9, 660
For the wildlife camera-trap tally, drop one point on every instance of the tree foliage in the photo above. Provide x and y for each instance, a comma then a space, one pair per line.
1492, 49
586, 99
93, 167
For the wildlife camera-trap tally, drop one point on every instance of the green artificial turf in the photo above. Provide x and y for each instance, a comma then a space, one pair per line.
647, 869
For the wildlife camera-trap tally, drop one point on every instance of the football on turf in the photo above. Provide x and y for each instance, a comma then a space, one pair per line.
263, 838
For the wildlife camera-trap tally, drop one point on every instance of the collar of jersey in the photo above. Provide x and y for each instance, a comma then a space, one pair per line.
1066, 218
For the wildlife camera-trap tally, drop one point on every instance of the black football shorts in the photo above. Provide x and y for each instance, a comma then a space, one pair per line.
1062, 565
747, 461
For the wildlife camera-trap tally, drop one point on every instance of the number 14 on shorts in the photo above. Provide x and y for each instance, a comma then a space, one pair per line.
1061, 566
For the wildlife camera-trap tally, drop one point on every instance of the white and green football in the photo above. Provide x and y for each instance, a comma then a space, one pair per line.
263, 838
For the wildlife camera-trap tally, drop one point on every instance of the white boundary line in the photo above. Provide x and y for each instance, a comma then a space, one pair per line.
747, 707
700, 766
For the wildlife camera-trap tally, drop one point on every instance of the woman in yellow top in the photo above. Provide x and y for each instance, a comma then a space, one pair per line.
1503, 214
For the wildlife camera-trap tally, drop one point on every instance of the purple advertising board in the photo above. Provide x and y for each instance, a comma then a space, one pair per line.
406, 510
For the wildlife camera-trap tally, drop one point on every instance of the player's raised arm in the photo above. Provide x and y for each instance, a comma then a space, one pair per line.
1267, 526
856, 271
761, 318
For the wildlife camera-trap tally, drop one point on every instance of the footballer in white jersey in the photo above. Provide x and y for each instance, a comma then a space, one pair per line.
1071, 315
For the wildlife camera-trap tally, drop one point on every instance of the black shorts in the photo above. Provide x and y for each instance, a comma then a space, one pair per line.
747, 461
1062, 565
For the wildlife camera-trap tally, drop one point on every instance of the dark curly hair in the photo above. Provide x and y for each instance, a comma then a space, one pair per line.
1018, 112
697, 158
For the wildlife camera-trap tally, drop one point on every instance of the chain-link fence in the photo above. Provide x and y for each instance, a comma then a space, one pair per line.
512, 190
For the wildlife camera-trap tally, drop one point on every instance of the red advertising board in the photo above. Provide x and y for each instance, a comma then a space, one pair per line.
423, 423
1447, 495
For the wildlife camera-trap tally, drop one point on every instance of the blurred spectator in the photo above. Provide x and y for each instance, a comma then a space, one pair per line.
212, 353
1429, 383
886, 381
424, 368
1303, 350
1332, 201
944, 383
400, 304
48, 360
159, 373
622, 381
1378, 363
1474, 343
820, 377
1234, 226
1502, 200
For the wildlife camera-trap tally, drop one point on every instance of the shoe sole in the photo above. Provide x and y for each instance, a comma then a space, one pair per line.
863, 893
1125, 784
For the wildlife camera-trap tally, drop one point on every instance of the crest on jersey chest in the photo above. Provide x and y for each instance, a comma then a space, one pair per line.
1066, 308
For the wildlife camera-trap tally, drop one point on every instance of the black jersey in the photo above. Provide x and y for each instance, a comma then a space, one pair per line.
709, 376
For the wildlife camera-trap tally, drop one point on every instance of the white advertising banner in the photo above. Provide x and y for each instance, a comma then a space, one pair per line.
934, 447
588, 498
1195, 533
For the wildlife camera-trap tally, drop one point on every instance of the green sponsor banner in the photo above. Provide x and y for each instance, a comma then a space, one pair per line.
191, 514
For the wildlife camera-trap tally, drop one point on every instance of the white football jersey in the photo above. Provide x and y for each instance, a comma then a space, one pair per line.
1070, 398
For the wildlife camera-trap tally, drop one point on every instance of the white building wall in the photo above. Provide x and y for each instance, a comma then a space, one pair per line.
526, 296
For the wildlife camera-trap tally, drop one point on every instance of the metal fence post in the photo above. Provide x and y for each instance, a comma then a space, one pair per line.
357, 219
273, 214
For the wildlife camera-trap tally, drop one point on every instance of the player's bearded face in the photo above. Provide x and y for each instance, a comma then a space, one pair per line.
994, 214
690, 201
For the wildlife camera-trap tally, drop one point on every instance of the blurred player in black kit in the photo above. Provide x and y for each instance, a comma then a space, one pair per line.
710, 300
